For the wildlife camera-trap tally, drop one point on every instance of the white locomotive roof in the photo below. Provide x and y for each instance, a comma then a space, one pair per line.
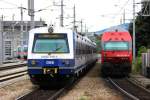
114, 28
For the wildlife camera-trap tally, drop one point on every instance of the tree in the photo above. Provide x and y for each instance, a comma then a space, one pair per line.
142, 30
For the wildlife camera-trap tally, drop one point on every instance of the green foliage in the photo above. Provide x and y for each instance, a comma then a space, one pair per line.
142, 31
142, 36
98, 43
141, 50
138, 64
83, 98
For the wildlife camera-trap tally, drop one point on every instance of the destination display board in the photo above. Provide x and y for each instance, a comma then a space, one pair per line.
52, 36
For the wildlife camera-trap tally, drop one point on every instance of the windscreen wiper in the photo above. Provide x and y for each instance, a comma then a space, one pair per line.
58, 48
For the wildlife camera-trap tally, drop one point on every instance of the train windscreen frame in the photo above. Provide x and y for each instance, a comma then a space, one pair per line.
119, 45
50, 43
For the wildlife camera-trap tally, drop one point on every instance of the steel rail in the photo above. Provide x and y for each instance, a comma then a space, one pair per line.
57, 93
4, 73
11, 66
138, 85
53, 94
123, 91
11, 72
15, 75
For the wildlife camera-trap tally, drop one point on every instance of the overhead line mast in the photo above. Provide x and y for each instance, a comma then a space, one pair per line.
31, 12
74, 18
1, 40
62, 15
134, 31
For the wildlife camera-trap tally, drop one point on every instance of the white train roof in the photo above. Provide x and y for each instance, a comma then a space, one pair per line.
45, 30
58, 30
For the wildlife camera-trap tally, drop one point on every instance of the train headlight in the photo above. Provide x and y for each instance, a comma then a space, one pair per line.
33, 62
66, 62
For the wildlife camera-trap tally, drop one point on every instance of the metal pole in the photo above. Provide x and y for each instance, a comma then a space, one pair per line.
26, 26
13, 17
31, 12
13, 38
85, 28
21, 30
61, 13
32, 22
74, 18
27, 34
149, 8
134, 49
121, 20
1, 42
3, 55
61, 16
124, 15
81, 26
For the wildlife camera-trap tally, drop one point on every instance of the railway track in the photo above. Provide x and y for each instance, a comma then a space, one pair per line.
51, 93
10, 72
130, 89
42, 94
12, 65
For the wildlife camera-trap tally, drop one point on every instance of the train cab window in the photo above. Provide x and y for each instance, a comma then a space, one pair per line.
50, 43
116, 46
25, 49
19, 49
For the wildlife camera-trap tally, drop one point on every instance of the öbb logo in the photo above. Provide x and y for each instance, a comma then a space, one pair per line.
49, 62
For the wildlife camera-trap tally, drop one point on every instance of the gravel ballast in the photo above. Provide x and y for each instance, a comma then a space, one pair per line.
92, 87
15, 90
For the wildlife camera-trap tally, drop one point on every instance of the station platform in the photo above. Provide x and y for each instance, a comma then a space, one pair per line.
141, 80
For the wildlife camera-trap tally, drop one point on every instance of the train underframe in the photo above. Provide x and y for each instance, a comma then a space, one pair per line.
118, 69
51, 80
58, 79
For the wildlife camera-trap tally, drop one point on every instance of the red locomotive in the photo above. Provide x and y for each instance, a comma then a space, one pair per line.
116, 53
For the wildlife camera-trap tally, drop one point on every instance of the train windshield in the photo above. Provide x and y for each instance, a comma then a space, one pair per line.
25, 49
116, 46
50, 43
19, 49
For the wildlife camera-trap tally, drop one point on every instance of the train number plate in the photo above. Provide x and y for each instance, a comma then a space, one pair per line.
50, 70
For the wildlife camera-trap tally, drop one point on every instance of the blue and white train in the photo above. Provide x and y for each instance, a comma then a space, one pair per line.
55, 53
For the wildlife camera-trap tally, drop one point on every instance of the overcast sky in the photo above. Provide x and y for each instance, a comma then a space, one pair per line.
96, 14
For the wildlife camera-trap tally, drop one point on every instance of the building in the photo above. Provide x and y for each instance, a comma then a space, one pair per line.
12, 36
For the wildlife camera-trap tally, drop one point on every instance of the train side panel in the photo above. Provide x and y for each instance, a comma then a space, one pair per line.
85, 53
